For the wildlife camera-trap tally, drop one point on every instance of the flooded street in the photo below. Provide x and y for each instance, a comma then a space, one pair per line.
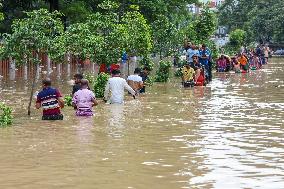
228, 135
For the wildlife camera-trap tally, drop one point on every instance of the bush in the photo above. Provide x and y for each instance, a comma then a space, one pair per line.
6, 117
100, 84
163, 73
147, 62
178, 72
68, 100
90, 78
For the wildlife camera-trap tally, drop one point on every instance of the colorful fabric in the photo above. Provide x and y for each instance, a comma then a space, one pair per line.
48, 98
188, 73
243, 60
84, 102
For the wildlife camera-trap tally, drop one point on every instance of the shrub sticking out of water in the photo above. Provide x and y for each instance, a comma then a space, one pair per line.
178, 72
6, 117
68, 100
91, 78
100, 84
150, 81
163, 73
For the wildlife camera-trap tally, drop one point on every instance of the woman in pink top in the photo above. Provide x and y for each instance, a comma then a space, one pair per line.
84, 99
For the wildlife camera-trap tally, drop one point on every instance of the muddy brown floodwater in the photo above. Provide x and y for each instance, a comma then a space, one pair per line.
228, 135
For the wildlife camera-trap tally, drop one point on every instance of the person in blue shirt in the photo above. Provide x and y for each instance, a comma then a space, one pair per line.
190, 53
204, 58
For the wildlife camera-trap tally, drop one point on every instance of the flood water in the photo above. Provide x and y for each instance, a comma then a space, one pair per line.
228, 135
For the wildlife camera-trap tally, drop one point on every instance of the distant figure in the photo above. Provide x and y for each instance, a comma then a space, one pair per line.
266, 54
77, 79
84, 99
50, 99
236, 65
244, 62
135, 81
221, 64
144, 74
116, 86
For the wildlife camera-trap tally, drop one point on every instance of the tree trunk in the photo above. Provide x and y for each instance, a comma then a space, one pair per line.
53, 5
31, 95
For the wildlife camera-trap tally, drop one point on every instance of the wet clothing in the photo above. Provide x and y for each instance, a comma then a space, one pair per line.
48, 98
190, 52
116, 86
52, 117
83, 99
244, 63
144, 78
76, 87
202, 53
188, 73
200, 80
221, 65
134, 81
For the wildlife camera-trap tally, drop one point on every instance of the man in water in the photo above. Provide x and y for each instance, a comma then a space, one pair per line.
116, 86
188, 75
50, 99
135, 81
77, 85
204, 57
84, 99
144, 74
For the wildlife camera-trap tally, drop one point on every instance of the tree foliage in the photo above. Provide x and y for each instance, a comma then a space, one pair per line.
237, 38
39, 31
263, 20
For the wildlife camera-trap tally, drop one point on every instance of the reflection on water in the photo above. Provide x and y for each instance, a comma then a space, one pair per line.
226, 135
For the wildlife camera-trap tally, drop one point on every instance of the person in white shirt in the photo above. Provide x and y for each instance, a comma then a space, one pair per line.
116, 86
135, 81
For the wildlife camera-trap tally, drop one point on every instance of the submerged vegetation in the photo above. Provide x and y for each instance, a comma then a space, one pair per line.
6, 117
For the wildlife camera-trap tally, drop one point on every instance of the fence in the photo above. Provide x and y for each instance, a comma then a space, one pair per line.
8, 68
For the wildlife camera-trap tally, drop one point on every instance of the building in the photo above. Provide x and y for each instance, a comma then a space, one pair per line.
213, 5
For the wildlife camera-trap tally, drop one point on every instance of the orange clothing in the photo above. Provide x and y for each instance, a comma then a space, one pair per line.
243, 60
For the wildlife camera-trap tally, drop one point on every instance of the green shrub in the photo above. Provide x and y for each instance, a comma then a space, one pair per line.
178, 72
90, 77
163, 73
149, 81
6, 117
147, 62
99, 84
68, 100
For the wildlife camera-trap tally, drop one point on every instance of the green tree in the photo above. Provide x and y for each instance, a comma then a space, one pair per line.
237, 38
261, 19
205, 25
163, 33
37, 32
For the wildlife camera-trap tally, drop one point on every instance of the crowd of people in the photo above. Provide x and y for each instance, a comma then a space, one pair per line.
198, 68
244, 61
196, 72
83, 99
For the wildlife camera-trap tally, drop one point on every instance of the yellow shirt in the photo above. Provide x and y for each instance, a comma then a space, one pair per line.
188, 73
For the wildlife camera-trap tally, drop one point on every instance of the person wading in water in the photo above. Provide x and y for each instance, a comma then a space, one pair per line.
50, 99
116, 86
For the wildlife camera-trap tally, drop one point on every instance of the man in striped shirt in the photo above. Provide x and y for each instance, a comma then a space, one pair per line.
50, 99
